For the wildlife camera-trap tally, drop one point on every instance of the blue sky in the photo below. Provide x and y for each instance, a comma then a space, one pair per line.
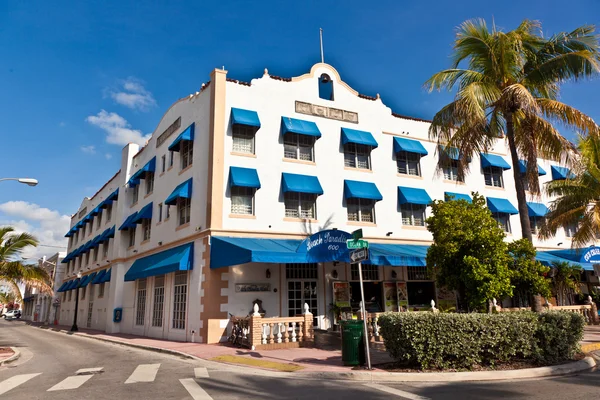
78, 77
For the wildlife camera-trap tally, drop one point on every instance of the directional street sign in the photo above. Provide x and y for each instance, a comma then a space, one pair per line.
357, 234
357, 244
359, 255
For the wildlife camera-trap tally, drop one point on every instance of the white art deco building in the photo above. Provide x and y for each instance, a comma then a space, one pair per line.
210, 215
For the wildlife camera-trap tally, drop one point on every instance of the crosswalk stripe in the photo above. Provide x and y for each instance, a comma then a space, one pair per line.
143, 373
88, 370
397, 392
15, 381
195, 390
201, 372
70, 382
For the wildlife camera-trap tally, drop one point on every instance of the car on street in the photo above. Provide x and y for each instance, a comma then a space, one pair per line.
12, 314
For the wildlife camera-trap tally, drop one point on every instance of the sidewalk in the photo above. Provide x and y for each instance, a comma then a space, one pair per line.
299, 359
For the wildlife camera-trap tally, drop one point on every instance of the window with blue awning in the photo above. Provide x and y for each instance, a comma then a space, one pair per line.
409, 146
492, 160
128, 224
144, 213
182, 191
141, 174
87, 279
240, 116
457, 196
408, 195
300, 184
523, 168
537, 209
180, 258
502, 206
62, 287
106, 277
187, 134
561, 173
243, 177
300, 127
98, 278
450, 153
358, 137
361, 190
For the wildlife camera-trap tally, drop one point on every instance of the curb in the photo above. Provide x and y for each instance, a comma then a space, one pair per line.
587, 363
15, 356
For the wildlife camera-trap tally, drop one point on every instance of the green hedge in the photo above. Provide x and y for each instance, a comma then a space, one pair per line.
441, 341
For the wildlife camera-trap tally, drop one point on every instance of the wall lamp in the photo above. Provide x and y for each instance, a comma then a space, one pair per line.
268, 273
394, 274
389, 234
334, 274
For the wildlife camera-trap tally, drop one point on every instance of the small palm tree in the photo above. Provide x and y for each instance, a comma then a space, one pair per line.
509, 88
12, 270
565, 281
578, 203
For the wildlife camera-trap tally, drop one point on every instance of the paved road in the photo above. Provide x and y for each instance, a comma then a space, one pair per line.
58, 366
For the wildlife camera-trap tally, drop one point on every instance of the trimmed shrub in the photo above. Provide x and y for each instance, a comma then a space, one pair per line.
558, 336
462, 341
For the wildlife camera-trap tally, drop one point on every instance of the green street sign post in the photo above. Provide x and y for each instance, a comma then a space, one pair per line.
357, 244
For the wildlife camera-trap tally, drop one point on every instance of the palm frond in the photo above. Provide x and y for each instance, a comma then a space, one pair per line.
447, 78
568, 116
570, 66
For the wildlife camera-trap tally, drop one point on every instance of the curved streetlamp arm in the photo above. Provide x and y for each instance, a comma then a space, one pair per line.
27, 181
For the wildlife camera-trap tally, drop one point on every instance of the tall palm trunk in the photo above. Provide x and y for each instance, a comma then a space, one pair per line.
519, 178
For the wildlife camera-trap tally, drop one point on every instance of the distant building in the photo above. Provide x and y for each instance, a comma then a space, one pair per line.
211, 214
39, 306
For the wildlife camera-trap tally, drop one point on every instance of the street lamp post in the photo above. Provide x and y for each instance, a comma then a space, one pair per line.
74, 327
26, 181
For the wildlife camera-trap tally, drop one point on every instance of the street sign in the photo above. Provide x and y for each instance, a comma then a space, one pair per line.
359, 255
357, 234
357, 244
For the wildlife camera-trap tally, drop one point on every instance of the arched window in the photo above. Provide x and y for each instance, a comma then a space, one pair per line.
325, 87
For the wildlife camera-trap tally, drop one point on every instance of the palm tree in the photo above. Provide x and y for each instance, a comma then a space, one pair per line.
565, 281
12, 270
578, 202
509, 89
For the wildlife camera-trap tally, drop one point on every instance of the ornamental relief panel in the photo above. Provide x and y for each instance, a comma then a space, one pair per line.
326, 112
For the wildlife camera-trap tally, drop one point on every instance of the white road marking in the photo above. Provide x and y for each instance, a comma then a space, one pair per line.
71, 382
397, 392
201, 372
194, 389
15, 381
143, 373
88, 370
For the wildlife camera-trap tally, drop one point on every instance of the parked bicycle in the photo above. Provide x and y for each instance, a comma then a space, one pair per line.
237, 330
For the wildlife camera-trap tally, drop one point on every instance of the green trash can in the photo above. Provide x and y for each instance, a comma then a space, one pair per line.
353, 346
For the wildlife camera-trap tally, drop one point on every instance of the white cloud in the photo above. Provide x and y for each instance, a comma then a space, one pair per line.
48, 226
134, 95
108, 156
117, 128
88, 149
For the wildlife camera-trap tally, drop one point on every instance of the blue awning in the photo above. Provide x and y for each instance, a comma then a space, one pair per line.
300, 183
523, 168
106, 276
28, 299
451, 152
397, 255
561, 173
111, 197
73, 285
71, 232
98, 278
456, 196
95, 211
361, 190
548, 257
358, 137
144, 213
63, 286
492, 160
187, 134
244, 177
299, 126
79, 225
227, 251
407, 195
502, 206
537, 209
87, 279
180, 258
106, 235
182, 191
135, 178
129, 222
85, 219
408, 145
244, 117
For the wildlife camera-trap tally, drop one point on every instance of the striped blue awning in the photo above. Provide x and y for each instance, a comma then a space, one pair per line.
361, 190
408, 145
187, 134
300, 183
408, 195
244, 117
299, 126
243, 177
358, 137
502, 206
182, 191
457, 196
492, 160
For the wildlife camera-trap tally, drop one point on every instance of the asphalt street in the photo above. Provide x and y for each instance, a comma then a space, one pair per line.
58, 366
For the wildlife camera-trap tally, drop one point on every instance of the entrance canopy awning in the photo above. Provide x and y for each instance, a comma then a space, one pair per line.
358, 137
179, 258
548, 257
226, 251
398, 255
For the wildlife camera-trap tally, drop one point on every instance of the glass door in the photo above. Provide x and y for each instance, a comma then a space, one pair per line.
300, 292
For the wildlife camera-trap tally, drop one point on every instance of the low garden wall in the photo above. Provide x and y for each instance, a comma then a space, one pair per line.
464, 341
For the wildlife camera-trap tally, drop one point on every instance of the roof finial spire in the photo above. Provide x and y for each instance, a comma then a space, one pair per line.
321, 38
